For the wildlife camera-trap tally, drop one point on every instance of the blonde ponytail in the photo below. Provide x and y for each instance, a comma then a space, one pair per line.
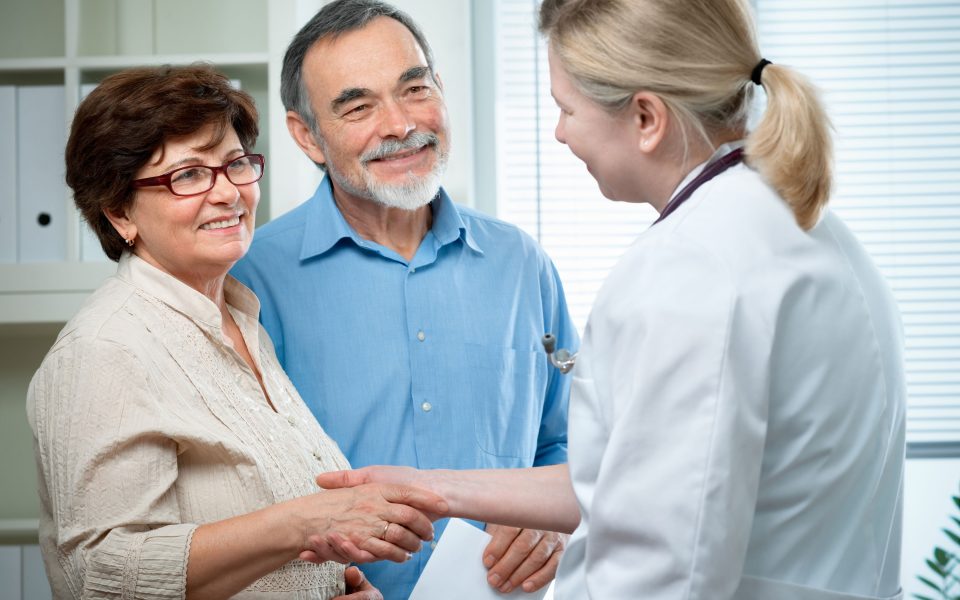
791, 147
698, 57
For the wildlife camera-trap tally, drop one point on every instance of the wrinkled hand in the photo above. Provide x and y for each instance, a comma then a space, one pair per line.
358, 586
367, 523
526, 558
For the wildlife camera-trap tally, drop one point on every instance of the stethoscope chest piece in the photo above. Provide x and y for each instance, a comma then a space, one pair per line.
561, 359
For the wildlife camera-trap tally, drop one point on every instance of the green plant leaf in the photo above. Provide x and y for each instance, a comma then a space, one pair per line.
952, 536
941, 556
945, 564
929, 583
936, 568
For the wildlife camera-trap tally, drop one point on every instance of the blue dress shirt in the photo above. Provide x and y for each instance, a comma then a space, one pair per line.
432, 363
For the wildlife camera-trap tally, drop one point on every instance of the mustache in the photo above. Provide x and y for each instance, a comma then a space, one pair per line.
413, 141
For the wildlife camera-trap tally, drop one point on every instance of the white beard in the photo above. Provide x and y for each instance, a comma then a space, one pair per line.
409, 195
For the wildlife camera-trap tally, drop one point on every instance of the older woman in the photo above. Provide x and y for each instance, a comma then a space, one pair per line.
175, 457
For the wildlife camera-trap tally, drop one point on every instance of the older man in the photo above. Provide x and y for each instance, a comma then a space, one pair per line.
409, 324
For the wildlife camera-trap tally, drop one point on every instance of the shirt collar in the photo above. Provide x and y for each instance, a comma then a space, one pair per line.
325, 225
183, 298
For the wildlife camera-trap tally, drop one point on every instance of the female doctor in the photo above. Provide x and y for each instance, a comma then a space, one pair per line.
737, 410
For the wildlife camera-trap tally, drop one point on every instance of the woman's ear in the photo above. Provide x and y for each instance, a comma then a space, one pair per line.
303, 136
650, 117
123, 224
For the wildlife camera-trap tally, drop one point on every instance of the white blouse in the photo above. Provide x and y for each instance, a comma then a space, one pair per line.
147, 423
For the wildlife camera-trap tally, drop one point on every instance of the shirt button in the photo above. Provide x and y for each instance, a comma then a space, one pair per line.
292, 420
413, 269
421, 336
426, 406
316, 454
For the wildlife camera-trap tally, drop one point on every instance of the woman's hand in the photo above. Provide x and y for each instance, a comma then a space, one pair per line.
530, 498
431, 481
366, 523
516, 557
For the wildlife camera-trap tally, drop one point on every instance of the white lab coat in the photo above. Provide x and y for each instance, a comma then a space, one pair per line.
737, 412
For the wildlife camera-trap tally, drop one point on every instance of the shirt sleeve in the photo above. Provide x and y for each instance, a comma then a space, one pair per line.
679, 375
552, 437
109, 472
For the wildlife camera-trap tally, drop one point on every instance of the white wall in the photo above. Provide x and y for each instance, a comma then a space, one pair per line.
447, 27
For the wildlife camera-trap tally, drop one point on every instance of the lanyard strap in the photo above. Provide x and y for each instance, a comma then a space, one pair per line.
709, 172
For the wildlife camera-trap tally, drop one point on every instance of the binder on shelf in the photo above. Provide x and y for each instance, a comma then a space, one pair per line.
41, 190
8, 174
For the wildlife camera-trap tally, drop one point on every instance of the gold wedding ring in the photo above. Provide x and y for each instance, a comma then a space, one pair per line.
383, 536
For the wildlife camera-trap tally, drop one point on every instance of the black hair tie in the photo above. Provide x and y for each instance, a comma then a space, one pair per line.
757, 70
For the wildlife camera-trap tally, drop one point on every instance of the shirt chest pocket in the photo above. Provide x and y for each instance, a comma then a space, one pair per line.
506, 398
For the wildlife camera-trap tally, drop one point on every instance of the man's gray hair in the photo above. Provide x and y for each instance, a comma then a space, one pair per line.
336, 18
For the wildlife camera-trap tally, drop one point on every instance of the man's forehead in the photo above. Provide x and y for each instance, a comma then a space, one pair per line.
379, 42
378, 54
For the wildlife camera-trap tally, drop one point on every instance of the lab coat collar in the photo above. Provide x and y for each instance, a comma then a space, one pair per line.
723, 150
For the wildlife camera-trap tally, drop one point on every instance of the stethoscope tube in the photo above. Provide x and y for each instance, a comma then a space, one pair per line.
561, 359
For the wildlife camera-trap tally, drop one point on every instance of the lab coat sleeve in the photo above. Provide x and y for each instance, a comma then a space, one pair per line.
680, 384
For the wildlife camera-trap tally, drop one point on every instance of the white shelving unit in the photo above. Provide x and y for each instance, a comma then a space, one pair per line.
78, 42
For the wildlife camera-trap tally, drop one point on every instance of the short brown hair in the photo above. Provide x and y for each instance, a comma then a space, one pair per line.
131, 114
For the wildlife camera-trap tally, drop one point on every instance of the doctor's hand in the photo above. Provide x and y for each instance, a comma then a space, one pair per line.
384, 474
358, 586
524, 558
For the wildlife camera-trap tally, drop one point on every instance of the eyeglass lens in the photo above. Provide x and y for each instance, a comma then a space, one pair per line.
199, 179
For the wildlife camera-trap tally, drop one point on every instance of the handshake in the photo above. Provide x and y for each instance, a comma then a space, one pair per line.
370, 514
386, 513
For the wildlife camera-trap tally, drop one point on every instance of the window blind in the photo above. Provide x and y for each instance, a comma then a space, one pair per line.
890, 74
